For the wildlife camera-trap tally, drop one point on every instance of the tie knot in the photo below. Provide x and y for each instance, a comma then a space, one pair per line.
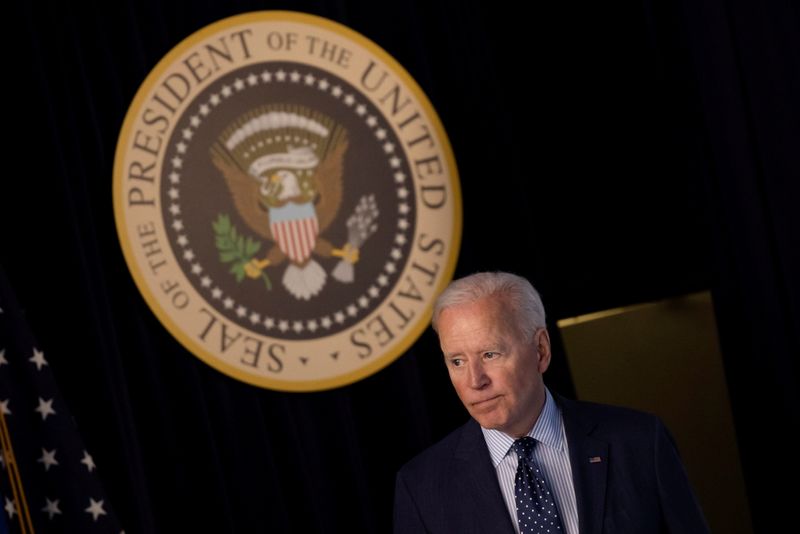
524, 447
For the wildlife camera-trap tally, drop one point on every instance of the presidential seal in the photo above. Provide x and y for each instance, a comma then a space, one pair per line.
287, 201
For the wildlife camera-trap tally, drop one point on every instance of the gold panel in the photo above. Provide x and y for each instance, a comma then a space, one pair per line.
664, 358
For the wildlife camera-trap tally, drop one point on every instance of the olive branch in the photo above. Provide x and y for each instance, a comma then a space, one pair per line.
236, 249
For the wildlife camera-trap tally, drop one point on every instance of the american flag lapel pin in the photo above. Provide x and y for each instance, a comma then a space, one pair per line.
595, 459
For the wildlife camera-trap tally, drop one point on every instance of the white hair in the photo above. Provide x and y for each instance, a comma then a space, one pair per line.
525, 304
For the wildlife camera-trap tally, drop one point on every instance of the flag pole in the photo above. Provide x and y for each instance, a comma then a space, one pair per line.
25, 523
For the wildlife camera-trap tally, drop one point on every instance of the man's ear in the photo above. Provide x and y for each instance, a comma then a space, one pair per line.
541, 340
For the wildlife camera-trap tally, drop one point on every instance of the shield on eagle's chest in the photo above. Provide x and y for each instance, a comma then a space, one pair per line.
295, 228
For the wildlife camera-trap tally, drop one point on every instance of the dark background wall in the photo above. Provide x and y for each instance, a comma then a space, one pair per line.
648, 149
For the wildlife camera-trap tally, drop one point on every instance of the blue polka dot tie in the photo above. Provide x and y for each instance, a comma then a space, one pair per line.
536, 508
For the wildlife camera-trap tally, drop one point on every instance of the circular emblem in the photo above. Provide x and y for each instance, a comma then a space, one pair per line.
287, 200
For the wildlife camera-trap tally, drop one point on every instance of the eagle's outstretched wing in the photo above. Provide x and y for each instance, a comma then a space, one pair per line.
245, 192
328, 180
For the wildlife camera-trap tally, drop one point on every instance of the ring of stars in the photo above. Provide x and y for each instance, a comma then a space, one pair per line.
404, 210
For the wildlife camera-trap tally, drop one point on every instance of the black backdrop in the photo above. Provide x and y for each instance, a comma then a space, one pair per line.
646, 150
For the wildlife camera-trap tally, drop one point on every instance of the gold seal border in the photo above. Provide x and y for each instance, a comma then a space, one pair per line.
156, 306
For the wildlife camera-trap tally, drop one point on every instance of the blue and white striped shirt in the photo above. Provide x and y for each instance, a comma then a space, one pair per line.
552, 456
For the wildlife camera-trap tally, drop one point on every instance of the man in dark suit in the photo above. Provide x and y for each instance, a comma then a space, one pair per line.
600, 469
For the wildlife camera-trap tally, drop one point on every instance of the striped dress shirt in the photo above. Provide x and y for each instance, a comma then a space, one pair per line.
552, 456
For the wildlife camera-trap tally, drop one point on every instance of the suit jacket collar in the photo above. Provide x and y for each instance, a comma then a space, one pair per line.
589, 459
476, 472
479, 477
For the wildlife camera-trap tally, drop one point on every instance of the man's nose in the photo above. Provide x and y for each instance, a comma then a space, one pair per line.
478, 378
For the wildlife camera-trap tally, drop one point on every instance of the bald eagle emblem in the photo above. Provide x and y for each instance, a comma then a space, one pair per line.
283, 166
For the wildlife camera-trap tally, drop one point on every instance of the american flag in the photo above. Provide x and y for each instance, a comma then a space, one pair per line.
48, 480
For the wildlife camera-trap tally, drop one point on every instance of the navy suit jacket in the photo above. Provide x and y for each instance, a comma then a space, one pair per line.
638, 485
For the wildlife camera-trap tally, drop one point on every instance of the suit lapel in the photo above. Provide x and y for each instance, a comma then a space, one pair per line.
589, 459
480, 481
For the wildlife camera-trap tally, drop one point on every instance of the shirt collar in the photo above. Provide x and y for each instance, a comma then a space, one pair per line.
548, 429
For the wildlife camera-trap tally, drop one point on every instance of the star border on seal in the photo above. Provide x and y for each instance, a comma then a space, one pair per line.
212, 290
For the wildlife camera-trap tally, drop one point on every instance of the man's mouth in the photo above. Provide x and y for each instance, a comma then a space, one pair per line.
484, 402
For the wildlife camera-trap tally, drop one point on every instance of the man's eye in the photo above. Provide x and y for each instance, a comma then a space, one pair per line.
456, 362
490, 355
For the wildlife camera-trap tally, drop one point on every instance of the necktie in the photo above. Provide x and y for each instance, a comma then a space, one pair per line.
536, 508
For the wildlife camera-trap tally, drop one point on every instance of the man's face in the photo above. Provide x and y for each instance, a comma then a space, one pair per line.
495, 371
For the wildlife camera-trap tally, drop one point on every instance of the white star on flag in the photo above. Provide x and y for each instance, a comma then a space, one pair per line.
4, 407
48, 458
45, 408
95, 508
38, 359
87, 460
10, 508
51, 508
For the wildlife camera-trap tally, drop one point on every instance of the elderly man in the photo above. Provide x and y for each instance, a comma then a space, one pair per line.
529, 461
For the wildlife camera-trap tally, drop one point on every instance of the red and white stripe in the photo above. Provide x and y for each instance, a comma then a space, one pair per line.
296, 238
